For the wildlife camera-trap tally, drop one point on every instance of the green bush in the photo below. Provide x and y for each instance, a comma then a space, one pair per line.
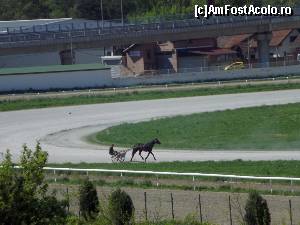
120, 208
88, 200
23, 192
257, 211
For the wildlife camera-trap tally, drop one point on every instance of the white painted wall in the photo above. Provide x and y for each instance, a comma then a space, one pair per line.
63, 80
102, 78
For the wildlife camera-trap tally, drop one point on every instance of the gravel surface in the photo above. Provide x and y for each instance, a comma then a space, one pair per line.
62, 130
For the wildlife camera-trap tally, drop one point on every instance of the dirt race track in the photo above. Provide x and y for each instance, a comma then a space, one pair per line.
61, 130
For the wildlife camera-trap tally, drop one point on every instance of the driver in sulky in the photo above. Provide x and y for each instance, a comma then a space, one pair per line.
112, 152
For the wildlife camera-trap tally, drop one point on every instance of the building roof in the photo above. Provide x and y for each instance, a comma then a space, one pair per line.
230, 41
195, 43
52, 69
133, 46
277, 38
214, 52
129, 48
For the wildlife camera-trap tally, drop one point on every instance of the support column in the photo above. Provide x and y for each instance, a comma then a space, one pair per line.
263, 41
67, 57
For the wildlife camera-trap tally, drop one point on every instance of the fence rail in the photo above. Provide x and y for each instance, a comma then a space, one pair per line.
168, 173
246, 66
64, 33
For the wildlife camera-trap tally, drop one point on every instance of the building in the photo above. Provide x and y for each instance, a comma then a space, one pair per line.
175, 56
283, 46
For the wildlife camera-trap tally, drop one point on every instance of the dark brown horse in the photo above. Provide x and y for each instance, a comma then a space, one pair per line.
148, 147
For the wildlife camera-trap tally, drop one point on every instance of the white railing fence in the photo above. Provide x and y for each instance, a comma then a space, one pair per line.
192, 175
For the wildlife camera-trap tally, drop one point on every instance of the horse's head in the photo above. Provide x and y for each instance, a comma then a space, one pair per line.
156, 141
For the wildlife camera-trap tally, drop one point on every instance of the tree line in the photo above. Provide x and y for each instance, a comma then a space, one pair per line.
91, 9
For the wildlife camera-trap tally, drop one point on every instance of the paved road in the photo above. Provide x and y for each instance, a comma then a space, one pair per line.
61, 130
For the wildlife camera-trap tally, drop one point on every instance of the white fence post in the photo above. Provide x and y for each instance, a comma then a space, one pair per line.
54, 176
194, 183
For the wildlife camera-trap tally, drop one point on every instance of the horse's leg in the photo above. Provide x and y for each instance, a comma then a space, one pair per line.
153, 155
140, 153
133, 153
147, 156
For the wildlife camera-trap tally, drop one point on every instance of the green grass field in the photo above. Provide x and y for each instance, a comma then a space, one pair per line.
268, 127
6, 105
237, 167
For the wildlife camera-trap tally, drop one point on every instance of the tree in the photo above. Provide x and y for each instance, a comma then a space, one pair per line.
61, 8
90, 9
88, 200
120, 208
23, 192
257, 211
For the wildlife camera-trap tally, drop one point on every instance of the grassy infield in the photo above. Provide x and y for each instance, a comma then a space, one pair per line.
269, 127
259, 128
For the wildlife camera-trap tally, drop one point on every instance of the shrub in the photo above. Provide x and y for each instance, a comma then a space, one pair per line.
23, 192
257, 211
120, 208
88, 200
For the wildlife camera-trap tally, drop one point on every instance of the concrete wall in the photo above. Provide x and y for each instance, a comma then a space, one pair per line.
102, 78
82, 56
63, 80
29, 60
85, 56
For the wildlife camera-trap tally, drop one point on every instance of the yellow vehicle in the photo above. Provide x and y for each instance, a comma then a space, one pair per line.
235, 66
